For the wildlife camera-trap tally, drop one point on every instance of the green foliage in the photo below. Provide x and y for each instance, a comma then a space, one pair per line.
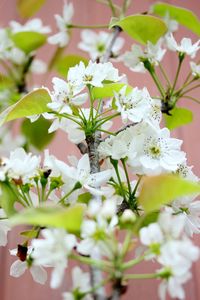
27, 8
108, 90
184, 16
33, 103
30, 234
28, 41
8, 197
5, 81
180, 116
67, 218
162, 189
142, 28
63, 64
37, 133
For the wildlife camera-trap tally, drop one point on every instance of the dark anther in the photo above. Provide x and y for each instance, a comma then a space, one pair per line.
22, 252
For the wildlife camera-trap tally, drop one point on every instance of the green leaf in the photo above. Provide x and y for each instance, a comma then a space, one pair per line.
63, 64
31, 104
37, 133
30, 234
184, 16
8, 197
5, 81
108, 90
27, 8
143, 28
180, 116
28, 41
84, 198
162, 189
67, 218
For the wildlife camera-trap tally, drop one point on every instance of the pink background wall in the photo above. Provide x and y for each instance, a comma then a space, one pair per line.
88, 12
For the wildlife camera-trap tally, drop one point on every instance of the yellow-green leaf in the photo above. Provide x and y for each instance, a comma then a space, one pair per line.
27, 8
67, 218
8, 197
108, 90
184, 16
36, 133
63, 64
28, 41
142, 28
179, 116
33, 103
162, 189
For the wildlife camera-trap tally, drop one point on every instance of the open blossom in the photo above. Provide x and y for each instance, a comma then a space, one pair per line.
96, 43
134, 106
34, 25
64, 94
52, 251
134, 59
62, 37
81, 284
152, 151
172, 25
92, 74
19, 267
22, 165
185, 46
195, 69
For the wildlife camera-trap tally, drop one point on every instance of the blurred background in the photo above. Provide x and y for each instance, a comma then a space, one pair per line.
90, 12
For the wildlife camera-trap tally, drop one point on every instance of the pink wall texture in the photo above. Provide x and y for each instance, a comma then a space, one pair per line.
89, 12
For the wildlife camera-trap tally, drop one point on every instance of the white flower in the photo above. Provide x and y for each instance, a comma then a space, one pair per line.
132, 59
195, 69
185, 172
8, 142
96, 43
38, 66
152, 234
62, 37
16, 56
94, 234
4, 228
136, 57
6, 42
152, 151
19, 267
81, 284
184, 47
134, 106
34, 25
116, 146
92, 74
52, 251
82, 174
64, 94
106, 210
172, 25
22, 165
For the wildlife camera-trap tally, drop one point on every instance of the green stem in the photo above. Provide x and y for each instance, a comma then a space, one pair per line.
177, 74
137, 184
126, 243
126, 174
104, 120
158, 83
189, 90
100, 264
140, 276
78, 26
164, 74
133, 262
112, 7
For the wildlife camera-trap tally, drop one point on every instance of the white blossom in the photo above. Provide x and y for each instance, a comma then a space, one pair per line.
53, 251
19, 267
152, 151
195, 69
96, 43
172, 25
81, 284
34, 25
185, 46
62, 37
22, 165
